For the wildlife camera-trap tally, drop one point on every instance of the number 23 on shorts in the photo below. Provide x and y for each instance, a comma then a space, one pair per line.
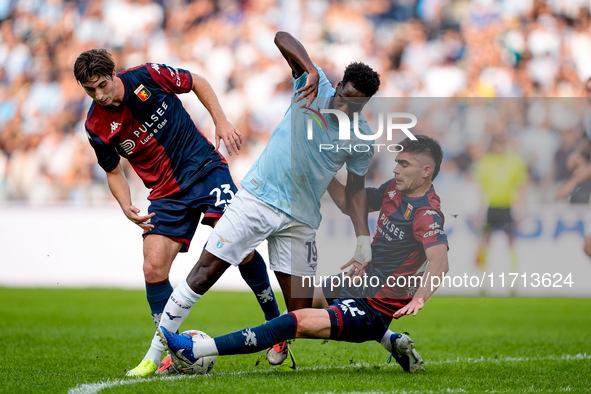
225, 190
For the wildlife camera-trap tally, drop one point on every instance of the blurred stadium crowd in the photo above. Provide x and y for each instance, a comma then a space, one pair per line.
421, 48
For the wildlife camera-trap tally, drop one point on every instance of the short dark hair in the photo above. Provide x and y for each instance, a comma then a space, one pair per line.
363, 78
93, 63
424, 145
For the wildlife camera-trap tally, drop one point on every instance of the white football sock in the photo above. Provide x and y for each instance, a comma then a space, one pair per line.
156, 349
206, 347
385, 342
178, 306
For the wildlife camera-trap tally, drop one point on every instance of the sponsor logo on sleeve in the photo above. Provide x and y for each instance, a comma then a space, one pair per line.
435, 228
430, 212
435, 225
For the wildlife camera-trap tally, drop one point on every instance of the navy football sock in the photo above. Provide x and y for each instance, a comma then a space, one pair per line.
255, 275
251, 340
158, 294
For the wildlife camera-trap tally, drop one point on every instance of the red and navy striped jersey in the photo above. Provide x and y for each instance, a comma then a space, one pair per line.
152, 130
406, 227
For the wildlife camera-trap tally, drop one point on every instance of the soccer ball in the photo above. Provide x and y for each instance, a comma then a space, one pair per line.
204, 364
200, 367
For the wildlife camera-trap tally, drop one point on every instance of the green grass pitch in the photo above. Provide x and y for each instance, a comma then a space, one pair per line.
83, 341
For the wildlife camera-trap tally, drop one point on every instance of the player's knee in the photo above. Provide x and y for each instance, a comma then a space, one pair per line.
312, 324
154, 272
248, 258
304, 330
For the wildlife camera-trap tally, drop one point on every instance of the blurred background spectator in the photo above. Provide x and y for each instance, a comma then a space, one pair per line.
521, 50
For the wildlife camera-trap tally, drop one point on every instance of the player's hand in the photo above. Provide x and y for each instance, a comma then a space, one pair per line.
415, 305
361, 258
132, 214
231, 136
310, 89
357, 269
363, 250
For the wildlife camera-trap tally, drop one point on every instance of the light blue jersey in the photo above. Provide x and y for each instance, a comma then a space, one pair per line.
293, 173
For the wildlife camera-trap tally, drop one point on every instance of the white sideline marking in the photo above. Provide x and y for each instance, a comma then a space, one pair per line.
92, 388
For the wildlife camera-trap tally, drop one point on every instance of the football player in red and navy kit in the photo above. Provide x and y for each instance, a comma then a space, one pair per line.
136, 114
409, 242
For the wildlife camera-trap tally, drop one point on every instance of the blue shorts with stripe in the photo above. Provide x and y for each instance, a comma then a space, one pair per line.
354, 320
177, 216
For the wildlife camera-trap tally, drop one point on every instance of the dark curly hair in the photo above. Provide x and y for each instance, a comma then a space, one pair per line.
363, 78
425, 146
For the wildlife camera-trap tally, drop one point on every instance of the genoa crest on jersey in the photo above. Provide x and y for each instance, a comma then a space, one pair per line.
142, 92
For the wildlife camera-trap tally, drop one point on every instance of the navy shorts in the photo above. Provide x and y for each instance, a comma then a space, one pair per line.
177, 216
354, 320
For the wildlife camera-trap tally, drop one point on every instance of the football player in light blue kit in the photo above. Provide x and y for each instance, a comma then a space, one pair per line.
280, 196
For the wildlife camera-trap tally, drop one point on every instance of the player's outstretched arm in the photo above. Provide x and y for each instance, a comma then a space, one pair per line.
298, 59
120, 190
438, 266
356, 200
357, 203
336, 191
224, 130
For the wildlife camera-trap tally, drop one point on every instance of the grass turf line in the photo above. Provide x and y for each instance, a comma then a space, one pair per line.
60, 340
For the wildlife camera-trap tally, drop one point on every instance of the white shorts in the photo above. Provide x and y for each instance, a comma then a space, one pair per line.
249, 221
